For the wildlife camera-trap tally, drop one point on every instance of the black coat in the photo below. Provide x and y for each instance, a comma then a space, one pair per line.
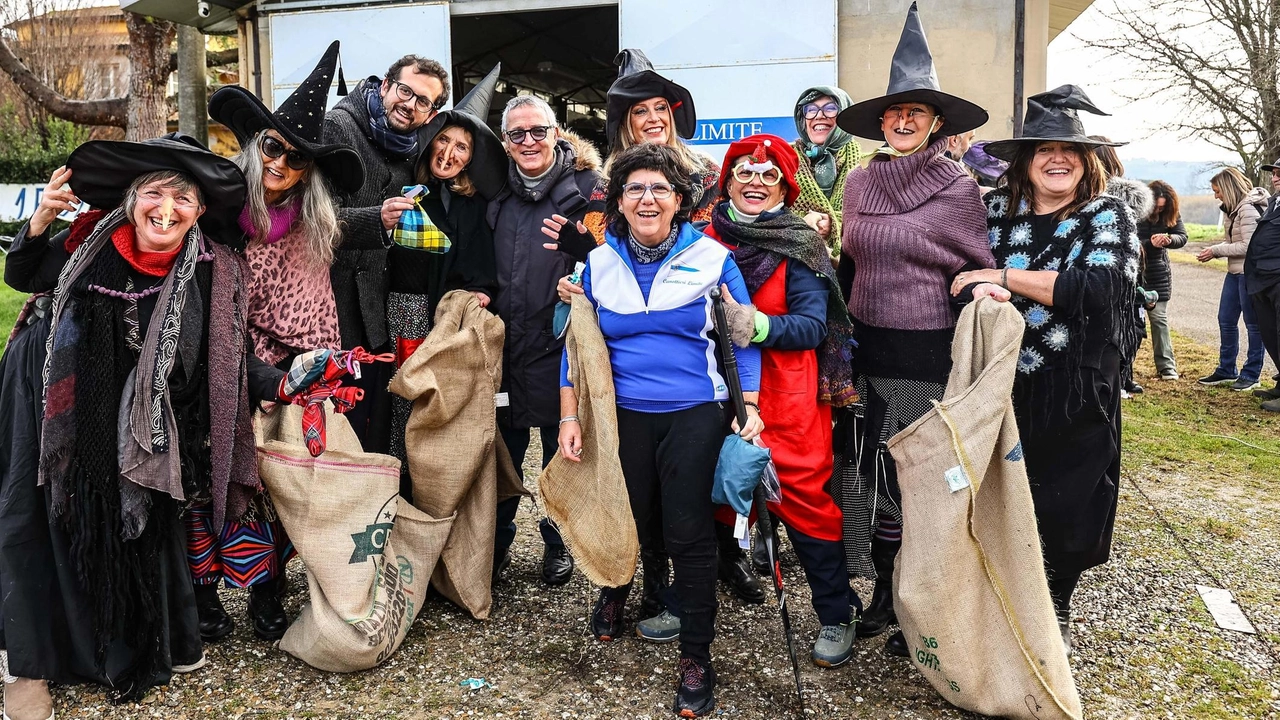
1156, 273
358, 273
1262, 260
527, 277
469, 263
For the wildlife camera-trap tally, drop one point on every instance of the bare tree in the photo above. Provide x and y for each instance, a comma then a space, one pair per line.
1215, 59
38, 69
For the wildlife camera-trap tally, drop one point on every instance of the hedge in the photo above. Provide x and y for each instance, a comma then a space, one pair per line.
29, 156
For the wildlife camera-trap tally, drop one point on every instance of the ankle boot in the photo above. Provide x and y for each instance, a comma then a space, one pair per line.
879, 614
215, 623
735, 569
657, 578
266, 611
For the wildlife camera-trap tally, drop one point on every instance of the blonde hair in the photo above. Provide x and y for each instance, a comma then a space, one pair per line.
691, 161
1232, 185
316, 213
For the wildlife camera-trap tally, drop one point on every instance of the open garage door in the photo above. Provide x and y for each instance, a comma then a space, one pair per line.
745, 61
372, 38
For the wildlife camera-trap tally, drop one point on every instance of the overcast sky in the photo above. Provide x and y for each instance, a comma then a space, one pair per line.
1104, 78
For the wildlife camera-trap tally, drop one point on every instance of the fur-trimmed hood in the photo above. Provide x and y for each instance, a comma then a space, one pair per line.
1135, 195
586, 157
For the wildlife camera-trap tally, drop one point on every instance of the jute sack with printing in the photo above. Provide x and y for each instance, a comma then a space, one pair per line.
970, 590
368, 557
588, 500
458, 464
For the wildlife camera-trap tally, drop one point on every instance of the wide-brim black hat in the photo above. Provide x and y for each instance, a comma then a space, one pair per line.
299, 119
1052, 117
488, 167
912, 78
1269, 168
102, 170
638, 81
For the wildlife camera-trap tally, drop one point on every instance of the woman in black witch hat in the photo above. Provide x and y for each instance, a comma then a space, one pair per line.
1069, 254
146, 393
292, 228
463, 165
913, 219
644, 106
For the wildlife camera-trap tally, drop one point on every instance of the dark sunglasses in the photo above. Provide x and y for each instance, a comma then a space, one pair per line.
273, 149
537, 132
812, 110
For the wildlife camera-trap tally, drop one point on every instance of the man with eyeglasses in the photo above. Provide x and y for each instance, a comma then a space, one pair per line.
550, 177
1262, 281
379, 120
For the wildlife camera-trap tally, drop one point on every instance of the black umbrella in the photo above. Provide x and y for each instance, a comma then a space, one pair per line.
763, 519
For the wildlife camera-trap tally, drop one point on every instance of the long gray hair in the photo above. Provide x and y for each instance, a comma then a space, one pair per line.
319, 220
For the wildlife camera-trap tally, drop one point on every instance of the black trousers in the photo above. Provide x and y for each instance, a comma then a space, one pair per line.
827, 575
1266, 305
669, 462
517, 440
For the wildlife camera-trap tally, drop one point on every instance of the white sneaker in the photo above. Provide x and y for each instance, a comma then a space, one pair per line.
183, 669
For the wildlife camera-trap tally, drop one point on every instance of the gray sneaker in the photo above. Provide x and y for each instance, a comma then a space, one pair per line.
662, 628
1242, 385
834, 645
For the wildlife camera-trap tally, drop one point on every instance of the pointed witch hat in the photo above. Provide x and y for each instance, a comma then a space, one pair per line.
299, 119
912, 78
1052, 117
488, 167
638, 81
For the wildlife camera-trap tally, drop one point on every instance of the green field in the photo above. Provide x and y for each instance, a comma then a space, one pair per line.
10, 303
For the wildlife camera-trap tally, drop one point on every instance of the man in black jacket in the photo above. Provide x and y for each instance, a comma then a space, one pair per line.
1262, 281
552, 172
380, 120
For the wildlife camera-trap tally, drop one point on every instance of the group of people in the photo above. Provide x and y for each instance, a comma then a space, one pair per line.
128, 485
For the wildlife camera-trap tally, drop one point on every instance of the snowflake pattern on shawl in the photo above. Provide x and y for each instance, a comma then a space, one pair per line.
1099, 238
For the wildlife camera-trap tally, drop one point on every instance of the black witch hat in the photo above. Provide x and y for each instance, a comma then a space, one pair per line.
638, 81
488, 167
102, 170
912, 78
1052, 117
299, 119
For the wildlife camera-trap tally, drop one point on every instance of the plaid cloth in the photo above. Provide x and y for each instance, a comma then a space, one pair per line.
415, 230
306, 369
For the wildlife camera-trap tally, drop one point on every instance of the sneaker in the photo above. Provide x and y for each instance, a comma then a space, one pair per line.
1217, 378
191, 667
1272, 394
1169, 375
1134, 388
834, 645
606, 617
662, 628
27, 699
1271, 406
1064, 626
696, 695
1242, 385
1125, 394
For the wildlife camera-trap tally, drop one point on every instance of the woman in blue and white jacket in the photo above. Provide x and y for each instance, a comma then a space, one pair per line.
650, 283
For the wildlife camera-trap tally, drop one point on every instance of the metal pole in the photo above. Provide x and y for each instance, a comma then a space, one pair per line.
1019, 59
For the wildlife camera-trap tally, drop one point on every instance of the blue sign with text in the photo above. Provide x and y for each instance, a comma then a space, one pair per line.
722, 131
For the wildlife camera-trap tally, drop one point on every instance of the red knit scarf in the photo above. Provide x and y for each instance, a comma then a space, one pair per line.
155, 264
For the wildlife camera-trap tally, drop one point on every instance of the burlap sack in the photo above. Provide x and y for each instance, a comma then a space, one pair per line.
458, 466
368, 560
588, 500
970, 590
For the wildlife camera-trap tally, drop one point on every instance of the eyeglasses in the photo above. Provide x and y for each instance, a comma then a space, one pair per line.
273, 149
912, 114
812, 110
636, 191
421, 103
768, 177
537, 132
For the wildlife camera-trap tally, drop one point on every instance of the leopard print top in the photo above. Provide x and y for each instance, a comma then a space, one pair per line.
291, 305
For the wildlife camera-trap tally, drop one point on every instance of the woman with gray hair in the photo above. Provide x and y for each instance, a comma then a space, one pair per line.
291, 225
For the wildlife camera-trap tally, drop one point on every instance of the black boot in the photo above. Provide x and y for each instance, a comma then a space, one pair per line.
266, 611
696, 695
657, 578
735, 569
879, 614
215, 623
896, 645
760, 555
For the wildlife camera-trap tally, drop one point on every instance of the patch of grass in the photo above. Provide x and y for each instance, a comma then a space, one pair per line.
1187, 257
1221, 528
10, 305
1203, 233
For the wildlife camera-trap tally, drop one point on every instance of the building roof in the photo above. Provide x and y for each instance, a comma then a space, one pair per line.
1062, 13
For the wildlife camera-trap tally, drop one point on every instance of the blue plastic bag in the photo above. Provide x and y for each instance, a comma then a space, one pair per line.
738, 472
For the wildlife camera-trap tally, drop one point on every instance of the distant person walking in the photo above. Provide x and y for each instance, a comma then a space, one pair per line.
1160, 232
1242, 205
1262, 282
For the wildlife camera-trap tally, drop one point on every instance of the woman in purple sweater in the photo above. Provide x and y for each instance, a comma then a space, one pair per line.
913, 220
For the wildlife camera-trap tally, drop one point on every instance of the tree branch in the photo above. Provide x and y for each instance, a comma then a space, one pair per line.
212, 58
111, 111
